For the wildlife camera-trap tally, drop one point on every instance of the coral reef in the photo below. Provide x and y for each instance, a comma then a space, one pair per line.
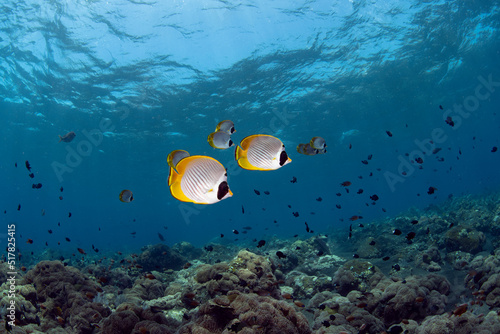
299, 286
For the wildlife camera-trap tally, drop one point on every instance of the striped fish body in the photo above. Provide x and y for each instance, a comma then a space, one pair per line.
199, 179
261, 152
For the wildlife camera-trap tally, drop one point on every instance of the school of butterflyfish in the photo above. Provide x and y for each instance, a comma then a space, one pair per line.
203, 180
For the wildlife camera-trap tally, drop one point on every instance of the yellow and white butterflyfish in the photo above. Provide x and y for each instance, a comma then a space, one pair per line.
261, 152
199, 179
226, 126
220, 139
307, 149
318, 143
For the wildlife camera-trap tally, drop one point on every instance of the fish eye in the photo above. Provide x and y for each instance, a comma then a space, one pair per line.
283, 145
283, 158
225, 174
223, 190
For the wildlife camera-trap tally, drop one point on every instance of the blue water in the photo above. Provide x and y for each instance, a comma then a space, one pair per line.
151, 77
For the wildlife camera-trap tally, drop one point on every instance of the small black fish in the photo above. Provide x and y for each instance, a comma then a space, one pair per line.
320, 253
161, 236
261, 243
61, 189
31, 175
374, 197
436, 150
58, 223
494, 149
370, 156
419, 160
449, 121
350, 235
236, 232
386, 258
280, 255
307, 227
222, 235
360, 191
431, 190
389, 133
396, 267
28, 166
50, 231
356, 256
69, 214
133, 233
338, 194
441, 107
68, 239
256, 191
361, 225
15, 164
19, 207
36, 185
384, 210
338, 206
397, 232
209, 248
364, 162
414, 222
451, 225
372, 243
350, 227
350, 145
275, 221
295, 214
319, 199
267, 192
242, 209
410, 235
96, 250
289, 206
293, 180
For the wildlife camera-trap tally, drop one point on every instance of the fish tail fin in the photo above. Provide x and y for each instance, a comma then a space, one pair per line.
60, 138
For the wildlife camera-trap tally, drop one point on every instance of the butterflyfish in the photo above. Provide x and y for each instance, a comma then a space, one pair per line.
220, 140
175, 156
307, 149
199, 179
126, 196
226, 126
318, 143
261, 152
